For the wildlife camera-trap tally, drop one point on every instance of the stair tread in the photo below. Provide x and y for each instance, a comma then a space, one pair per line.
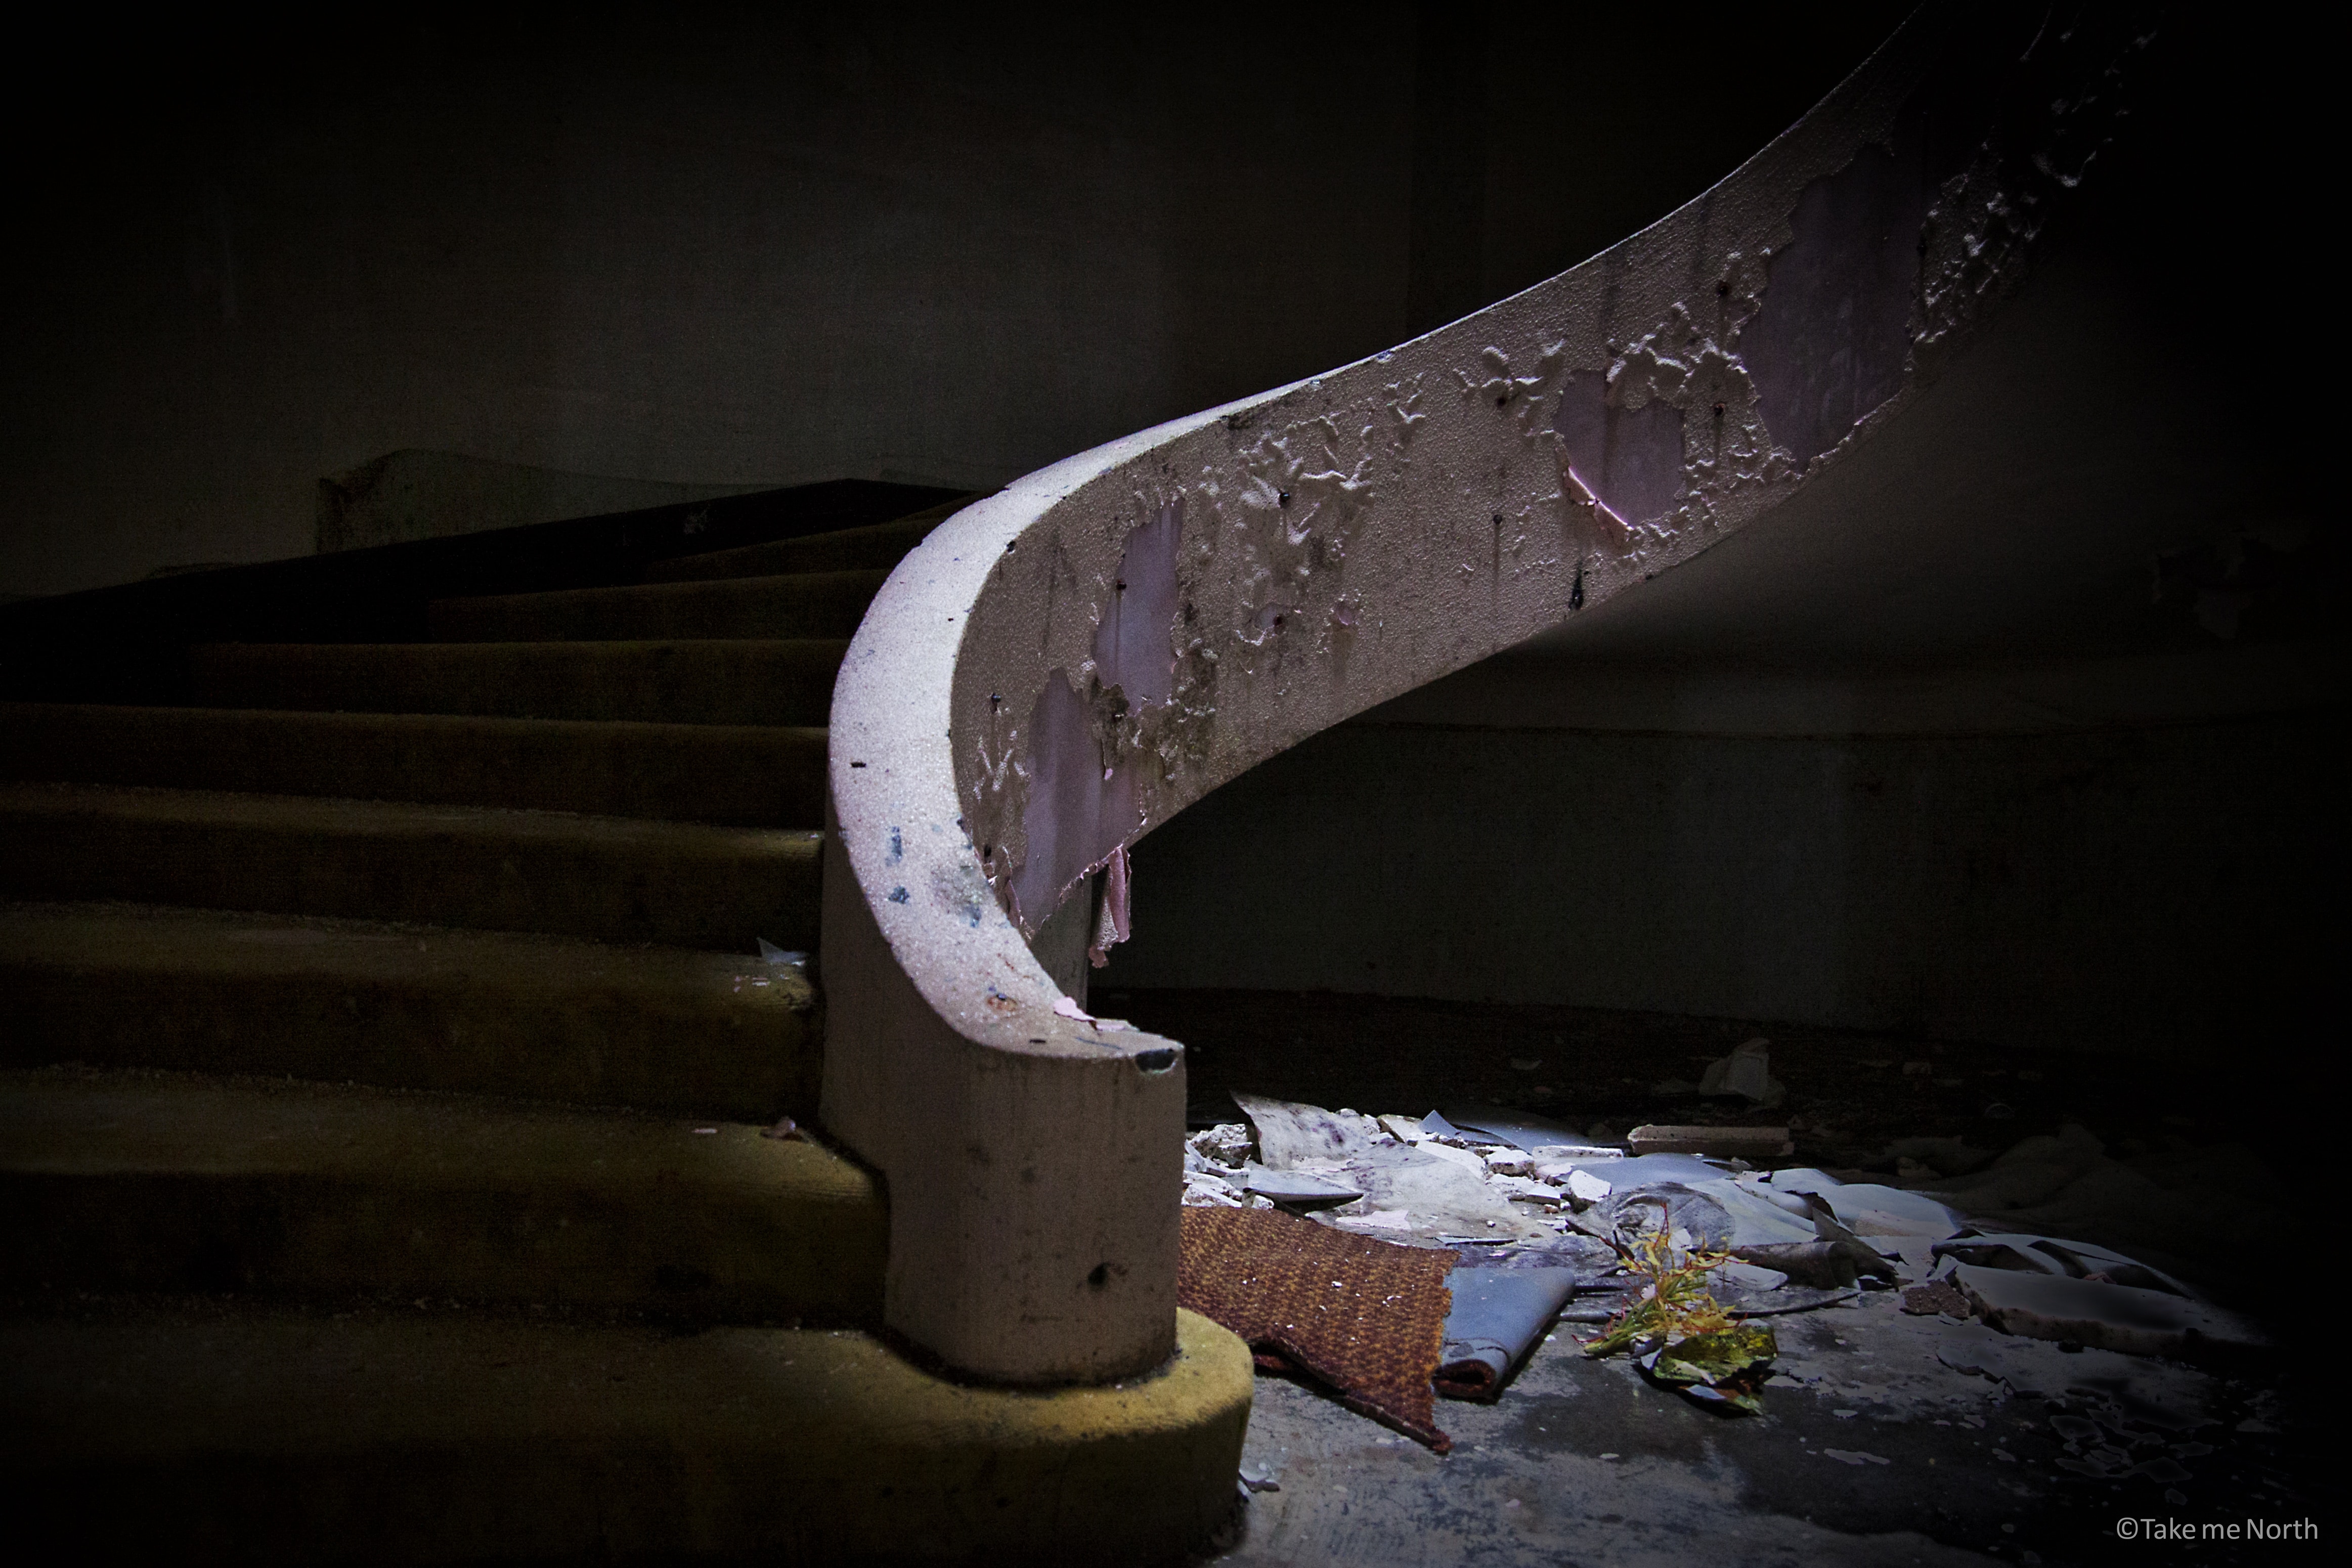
97, 936
617, 879
419, 723
407, 1006
881, 544
763, 774
713, 681
146, 1180
327, 815
86, 1122
81, 1122
788, 605
238, 1431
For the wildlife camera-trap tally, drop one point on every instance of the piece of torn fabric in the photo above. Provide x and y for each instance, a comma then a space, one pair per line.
1111, 922
1499, 1314
1364, 1317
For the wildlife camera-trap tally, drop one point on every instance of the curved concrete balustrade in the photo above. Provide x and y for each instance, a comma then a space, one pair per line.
1068, 663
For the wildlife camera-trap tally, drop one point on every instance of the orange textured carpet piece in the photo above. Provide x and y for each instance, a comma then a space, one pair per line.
1365, 1317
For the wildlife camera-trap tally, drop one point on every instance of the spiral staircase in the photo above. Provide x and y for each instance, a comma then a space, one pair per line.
408, 1155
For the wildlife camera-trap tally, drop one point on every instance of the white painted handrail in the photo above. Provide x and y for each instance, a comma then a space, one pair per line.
1068, 663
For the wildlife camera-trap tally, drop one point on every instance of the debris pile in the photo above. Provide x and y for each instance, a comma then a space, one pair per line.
1677, 1240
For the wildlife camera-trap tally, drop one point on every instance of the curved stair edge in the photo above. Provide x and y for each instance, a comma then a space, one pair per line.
1063, 666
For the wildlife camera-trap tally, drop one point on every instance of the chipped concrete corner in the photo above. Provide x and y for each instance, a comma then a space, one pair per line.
1067, 663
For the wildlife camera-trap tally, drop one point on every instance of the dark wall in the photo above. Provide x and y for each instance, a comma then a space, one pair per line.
738, 245
2147, 892
2022, 724
735, 246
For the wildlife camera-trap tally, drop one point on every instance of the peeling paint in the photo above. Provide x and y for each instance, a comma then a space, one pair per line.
1077, 808
2054, 121
1131, 648
1140, 624
1281, 563
1627, 461
1832, 339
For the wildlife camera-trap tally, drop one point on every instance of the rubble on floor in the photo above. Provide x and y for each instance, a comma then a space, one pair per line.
1745, 1074
1680, 1246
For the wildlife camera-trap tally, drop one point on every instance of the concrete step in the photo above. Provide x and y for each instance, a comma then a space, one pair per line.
130, 1181
802, 604
697, 1033
198, 1432
764, 776
718, 681
877, 547
615, 878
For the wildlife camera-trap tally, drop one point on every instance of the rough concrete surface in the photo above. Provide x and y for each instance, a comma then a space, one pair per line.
2171, 1165
1582, 1462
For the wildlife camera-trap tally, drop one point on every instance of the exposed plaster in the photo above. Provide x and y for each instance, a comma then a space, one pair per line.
1831, 339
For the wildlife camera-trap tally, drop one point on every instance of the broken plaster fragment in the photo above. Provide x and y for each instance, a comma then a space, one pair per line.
1586, 1187
1298, 1187
1745, 1074
1726, 1142
2124, 1317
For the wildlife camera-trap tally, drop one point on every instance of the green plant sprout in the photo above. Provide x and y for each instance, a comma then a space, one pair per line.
1681, 1333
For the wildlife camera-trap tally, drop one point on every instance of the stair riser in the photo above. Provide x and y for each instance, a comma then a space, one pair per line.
685, 1252
732, 891
853, 550
703, 1051
713, 682
753, 777
819, 604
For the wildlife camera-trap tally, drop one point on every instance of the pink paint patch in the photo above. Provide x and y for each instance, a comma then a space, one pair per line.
1111, 922
1069, 1009
1626, 464
1081, 804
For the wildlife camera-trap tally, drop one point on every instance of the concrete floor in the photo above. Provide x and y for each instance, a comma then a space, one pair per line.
1582, 1462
